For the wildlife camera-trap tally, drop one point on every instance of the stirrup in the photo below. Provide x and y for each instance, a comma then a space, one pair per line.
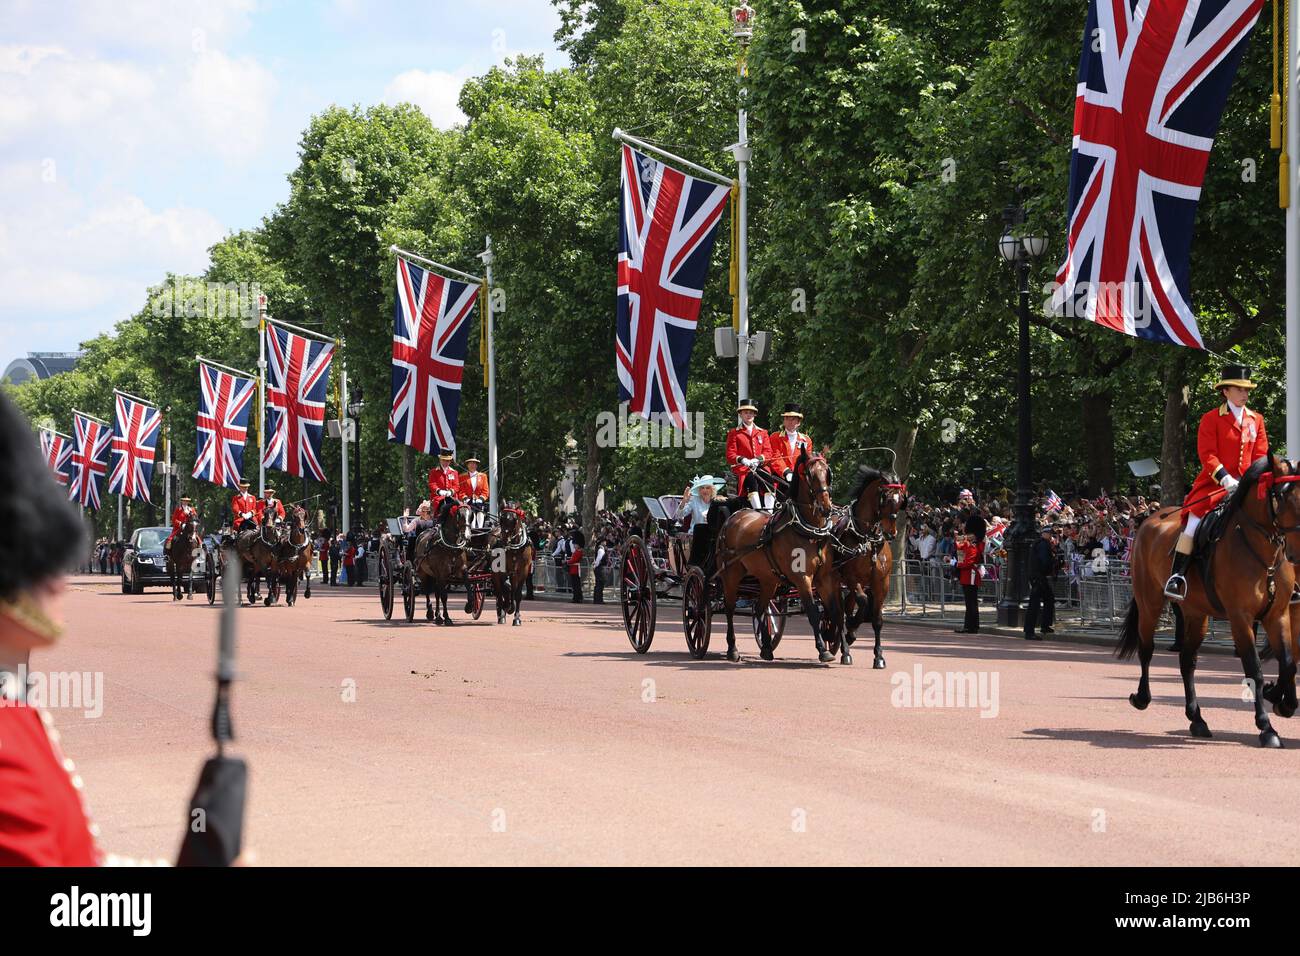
1175, 593
1295, 593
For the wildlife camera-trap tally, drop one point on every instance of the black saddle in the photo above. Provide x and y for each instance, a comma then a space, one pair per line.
1211, 529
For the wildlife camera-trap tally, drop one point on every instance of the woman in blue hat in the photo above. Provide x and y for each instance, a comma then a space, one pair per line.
693, 512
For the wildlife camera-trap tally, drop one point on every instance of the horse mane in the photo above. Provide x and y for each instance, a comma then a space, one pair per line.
866, 475
1248, 481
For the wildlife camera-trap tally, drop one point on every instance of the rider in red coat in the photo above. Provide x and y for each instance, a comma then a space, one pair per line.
1229, 438
748, 447
182, 513
444, 481
789, 442
243, 508
269, 502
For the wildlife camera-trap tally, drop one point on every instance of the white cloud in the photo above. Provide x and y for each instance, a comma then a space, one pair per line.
433, 91
230, 101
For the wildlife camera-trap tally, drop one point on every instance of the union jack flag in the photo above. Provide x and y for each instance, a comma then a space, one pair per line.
430, 336
298, 371
57, 449
1153, 80
91, 441
225, 400
135, 436
1052, 503
667, 224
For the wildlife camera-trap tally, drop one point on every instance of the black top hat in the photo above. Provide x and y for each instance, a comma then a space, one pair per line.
1235, 375
792, 408
37, 521
445, 455
746, 405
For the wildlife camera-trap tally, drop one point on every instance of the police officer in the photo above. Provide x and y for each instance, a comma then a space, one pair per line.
1042, 568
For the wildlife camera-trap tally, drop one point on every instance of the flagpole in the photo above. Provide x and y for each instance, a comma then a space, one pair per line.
477, 280
641, 144
1292, 261
346, 517
493, 495
167, 474
261, 399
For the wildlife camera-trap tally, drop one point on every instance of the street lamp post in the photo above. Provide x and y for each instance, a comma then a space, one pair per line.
1020, 252
354, 410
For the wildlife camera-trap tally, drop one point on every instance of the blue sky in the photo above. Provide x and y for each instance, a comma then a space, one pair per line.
136, 133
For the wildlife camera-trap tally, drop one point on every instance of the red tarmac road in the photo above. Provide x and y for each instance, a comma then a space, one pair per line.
374, 742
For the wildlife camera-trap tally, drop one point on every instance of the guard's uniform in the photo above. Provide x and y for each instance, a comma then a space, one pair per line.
243, 510
1224, 447
43, 821
742, 442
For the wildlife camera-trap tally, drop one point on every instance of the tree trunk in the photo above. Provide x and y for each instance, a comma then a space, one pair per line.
591, 488
1173, 474
1099, 442
410, 494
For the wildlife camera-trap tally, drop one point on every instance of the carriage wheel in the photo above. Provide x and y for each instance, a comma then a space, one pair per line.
476, 600
771, 625
697, 612
386, 582
210, 577
408, 592
637, 592
189, 592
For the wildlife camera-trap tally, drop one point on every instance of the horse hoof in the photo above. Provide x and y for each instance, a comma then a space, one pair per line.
826, 657
733, 655
846, 658
1271, 740
1139, 702
878, 664
766, 654
1200, 729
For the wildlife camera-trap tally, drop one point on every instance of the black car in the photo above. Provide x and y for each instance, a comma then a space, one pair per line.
143, 565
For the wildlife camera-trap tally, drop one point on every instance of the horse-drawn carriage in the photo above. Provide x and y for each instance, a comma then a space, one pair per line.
433, 560
281, 552
827, 559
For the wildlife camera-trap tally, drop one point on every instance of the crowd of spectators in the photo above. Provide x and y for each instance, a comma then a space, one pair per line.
106, 556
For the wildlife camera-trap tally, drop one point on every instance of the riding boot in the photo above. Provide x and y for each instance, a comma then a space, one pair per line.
1176, 586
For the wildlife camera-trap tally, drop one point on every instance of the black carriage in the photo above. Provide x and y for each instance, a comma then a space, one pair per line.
661, 571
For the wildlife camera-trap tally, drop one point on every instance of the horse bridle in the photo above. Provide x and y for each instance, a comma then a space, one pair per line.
520, 542
818, 510
1268, 488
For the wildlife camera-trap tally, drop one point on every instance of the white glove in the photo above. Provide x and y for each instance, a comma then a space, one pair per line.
1229, 483
443, 493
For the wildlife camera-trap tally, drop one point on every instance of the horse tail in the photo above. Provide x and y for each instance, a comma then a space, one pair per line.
1127, 644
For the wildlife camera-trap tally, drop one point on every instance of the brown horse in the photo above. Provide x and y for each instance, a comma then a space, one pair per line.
259, 549
512, 563
791, 546
1250, 579
180, 552
862, 553
293, 560
440, 558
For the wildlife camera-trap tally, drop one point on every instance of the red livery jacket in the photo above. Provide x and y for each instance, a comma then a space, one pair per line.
263, 504
242, 504
443, 479
474, 484
746, 444
785, 453
42, 819
1224, 447
180, 515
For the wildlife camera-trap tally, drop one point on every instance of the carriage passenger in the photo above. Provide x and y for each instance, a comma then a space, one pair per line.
696, 501
413, 525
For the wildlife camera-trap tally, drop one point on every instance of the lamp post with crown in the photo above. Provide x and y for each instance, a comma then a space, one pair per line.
1020, 250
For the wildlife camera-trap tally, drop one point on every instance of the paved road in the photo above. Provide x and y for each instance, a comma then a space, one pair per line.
553, 743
